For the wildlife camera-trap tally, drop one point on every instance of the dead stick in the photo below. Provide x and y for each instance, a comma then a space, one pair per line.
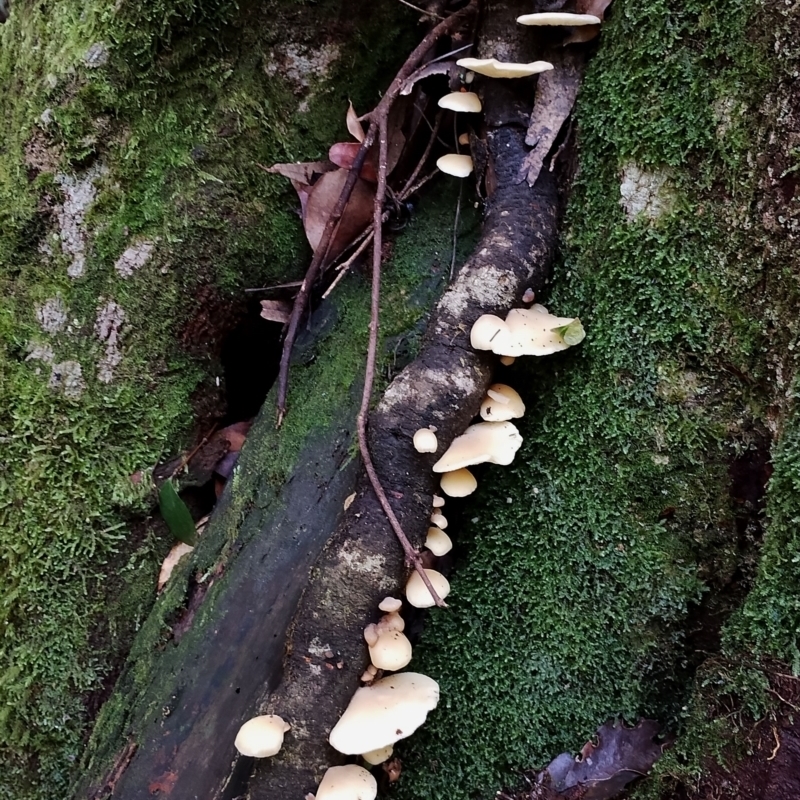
412, 557
301, 300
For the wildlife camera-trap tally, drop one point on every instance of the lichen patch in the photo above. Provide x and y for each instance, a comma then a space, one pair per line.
134, 257
107, 327
79, 195
67, 377
52, 315
643, 192
300, 64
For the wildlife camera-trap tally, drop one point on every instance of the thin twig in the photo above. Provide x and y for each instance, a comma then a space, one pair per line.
412, 557
185, 461
301, 300
290, 285
434, 133
421, 10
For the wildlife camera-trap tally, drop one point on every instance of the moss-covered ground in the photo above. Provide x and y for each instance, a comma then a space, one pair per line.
158, 113
584, 569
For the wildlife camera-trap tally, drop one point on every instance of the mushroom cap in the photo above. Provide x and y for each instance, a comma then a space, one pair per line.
458, 483
467, 102
439, 520
438, 542
495, 442
534, 331
425, 441
438, 502
417, 592
391, 651
485, 330
558, 18
501, 403
261, 737
454, 164
349, 782
493, 68
390, 604
463, 138
381, 714
378, 756
507, 361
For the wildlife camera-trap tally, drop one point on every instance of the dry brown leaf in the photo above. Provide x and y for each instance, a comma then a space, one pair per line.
353, 125
304, 172
324, 196
343, 154
586, 33
171, 561
348, 501
276, 310
594, 7
236, 434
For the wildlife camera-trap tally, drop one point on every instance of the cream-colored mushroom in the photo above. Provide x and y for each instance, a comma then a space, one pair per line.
378, 756
262, 736
458, 483
454, 164
438, 502
349, 782
493, 68
391, 651
507, 361
486, 330
417, 592
425, 441
439, 520
463, 139
501, 403
467, 102
381, 714
390, 604
493, 442
438, 542
558, 18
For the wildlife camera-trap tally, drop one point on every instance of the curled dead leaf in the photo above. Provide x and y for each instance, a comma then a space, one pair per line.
348, 501
587, 32
170, 562
276, 310
353, 124
343, 154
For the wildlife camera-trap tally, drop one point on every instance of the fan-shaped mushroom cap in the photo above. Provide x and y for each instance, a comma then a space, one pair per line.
438, 502
486, 330
391, 651
501, 403
535, 331
439, 520
461, 101
417, 592
438, 542
349, 782
261, 737
425, 441
493, 68
390, 604
558, 18
454, 164
458, 483
495, 442
381, 714
378, 756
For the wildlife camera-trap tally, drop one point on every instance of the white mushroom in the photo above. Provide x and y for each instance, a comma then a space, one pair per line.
438, 502
493, 68
425, 441
458, 483
261, 737
495, 442
438, 542
439, 520
501, 403
467, 102
390, 604
486, 330
378, 756
454, 164
381, 714
558, 18
349, 782
391, 651
417, 592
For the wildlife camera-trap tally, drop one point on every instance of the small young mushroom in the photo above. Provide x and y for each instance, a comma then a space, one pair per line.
261, 737
381, 714
391, 651
438, 502
349, 782
467, 102
501, 403
439, 520
438, 542
507, 361
558, 18
378, 756
390, 604
463, 139
457, 165
458, 483
425, 441
495, 442
493, 68
417, 592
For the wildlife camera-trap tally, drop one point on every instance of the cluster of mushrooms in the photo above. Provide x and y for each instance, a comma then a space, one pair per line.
387, 709
460, 165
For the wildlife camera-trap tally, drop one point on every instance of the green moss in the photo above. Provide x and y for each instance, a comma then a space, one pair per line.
578, 565
173, 127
